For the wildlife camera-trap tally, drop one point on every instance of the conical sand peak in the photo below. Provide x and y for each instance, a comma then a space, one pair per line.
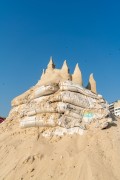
65, 67
77, 75
77, 69
43, 73
91, 76
92, 84
51, 64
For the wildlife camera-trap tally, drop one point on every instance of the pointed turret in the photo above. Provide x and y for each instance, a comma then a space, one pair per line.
51, 64
43, 73
92, 84
65, 68
77, 75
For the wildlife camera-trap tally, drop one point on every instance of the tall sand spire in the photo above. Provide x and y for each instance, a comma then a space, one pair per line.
77, 75
43, 73
92, 84
51, 64
65, 68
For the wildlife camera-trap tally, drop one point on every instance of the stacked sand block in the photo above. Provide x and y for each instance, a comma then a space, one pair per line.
60, 102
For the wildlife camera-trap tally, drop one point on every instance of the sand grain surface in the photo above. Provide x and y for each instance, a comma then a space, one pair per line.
25, 154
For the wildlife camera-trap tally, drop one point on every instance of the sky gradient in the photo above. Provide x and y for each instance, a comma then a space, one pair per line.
87, 32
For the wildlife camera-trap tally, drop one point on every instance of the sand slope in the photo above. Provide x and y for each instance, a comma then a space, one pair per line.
25, 154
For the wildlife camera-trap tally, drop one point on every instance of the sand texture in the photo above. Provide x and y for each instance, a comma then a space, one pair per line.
25, 154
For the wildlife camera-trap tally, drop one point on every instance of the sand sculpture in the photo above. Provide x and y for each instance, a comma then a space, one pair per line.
92, 84
59, 101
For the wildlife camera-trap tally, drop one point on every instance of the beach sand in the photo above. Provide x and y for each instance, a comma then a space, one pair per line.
26, 155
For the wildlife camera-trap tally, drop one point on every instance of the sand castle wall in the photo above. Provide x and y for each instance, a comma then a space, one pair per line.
60, 100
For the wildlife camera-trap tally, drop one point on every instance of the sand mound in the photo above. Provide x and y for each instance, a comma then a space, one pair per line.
59, 100
25, 154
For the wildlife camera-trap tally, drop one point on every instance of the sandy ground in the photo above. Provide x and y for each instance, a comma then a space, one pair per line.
26, 155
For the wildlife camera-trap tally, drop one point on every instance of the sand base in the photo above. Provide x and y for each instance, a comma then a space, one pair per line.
25, 154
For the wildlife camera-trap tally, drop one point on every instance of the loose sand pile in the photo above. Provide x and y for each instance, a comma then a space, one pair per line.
25, 154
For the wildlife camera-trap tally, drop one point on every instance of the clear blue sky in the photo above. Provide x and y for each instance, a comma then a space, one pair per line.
87, 32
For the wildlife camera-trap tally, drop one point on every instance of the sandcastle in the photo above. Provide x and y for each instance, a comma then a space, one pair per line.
60, 103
